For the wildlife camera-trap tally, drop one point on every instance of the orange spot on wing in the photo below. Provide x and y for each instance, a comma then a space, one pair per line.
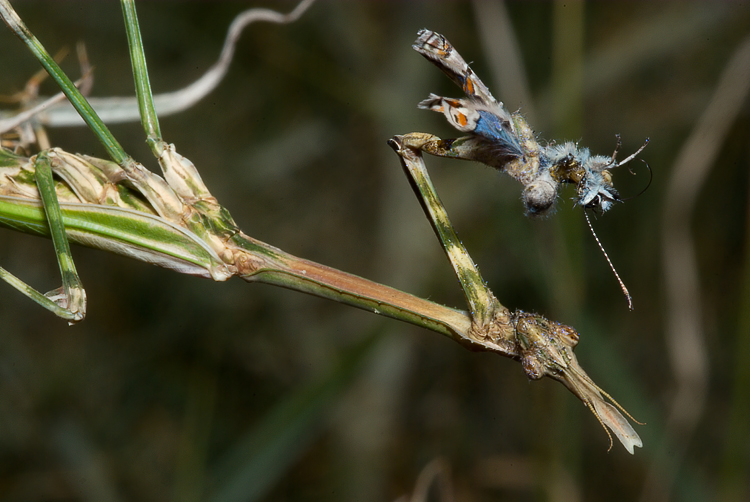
469, 86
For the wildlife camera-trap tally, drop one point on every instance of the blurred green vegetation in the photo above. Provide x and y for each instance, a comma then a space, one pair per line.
176, 388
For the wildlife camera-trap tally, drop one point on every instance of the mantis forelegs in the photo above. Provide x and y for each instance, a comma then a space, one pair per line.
544, 347
490, 320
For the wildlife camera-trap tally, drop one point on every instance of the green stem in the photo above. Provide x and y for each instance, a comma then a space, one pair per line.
140, 74
114, 150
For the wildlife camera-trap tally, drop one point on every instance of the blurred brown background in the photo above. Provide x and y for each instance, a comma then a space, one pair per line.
177, 388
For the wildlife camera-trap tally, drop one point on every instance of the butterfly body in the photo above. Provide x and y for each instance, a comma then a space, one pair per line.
505, 141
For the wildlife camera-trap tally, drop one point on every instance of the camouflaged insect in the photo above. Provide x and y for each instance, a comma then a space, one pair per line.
506, 142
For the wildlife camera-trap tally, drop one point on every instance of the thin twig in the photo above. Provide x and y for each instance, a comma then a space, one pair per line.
116, 110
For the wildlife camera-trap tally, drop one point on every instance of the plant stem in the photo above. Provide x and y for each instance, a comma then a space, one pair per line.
149, 120
113, 147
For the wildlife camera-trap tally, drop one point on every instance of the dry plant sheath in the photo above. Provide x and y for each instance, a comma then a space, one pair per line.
173, 221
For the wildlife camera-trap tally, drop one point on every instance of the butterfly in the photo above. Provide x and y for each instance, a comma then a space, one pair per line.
505, 141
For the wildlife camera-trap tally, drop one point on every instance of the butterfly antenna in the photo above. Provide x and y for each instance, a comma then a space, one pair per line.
650, 179
622, 284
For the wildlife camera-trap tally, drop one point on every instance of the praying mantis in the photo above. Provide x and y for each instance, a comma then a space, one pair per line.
175, 222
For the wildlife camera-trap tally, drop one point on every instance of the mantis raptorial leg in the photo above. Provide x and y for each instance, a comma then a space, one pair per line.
485, 310
544, 347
